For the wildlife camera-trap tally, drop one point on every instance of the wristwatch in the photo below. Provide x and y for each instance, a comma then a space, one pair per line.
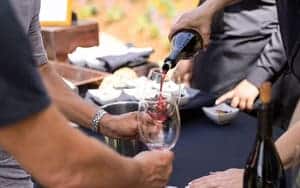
97, 118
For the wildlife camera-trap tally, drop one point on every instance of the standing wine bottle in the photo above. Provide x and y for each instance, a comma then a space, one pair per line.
264, 168
184, 44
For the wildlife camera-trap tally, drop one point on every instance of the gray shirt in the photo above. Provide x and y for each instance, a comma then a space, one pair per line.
246, 44
27, 12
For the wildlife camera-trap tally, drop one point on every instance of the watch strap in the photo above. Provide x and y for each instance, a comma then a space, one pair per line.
97, 118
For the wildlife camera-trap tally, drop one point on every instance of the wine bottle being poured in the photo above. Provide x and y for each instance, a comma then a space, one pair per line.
264, 168
184, 44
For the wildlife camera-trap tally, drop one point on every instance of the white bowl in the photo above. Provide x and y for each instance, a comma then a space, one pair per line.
221, 114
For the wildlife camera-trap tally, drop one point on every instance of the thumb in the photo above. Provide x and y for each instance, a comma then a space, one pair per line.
205, 34
169, 155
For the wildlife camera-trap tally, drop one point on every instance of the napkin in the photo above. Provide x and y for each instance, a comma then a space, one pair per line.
110, 55
95, 96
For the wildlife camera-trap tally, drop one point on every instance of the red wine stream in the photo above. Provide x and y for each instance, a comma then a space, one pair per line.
162, 83
161, 106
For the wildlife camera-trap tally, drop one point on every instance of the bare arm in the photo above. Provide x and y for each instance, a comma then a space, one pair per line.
296, 115
287, 143
65, 98
81, 112
60, 156
70, 104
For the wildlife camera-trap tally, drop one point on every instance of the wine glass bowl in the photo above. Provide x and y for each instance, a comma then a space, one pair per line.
161, 82
155, 75
159, 123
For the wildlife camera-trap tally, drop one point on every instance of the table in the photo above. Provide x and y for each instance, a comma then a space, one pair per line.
82, 78
79, 76
204, 147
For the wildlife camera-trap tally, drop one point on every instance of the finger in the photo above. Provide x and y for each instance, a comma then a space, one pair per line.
202, 179
178, 80
181, 23
207, 182
195, 180
202, 185
198, 185
147, 119
218, 172
250, 103
174, 29
235, 102
206, 42
175, 76
152, 133
235, 170
164, 155
169, 172
226, 96
242, 104
229, 171
205, 34
187, 78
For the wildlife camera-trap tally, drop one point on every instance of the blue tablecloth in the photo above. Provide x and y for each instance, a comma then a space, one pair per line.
205, 147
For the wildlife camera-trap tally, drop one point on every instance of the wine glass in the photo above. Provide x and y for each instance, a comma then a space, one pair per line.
159, 122
162, 83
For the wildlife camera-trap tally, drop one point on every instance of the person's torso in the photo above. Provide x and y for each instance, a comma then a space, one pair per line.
249, 18
239, 35
25, 10
11, 173
287, 87
289, 14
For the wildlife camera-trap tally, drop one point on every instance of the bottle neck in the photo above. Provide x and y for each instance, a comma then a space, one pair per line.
166, 66
171, 61
174, 57
264, 124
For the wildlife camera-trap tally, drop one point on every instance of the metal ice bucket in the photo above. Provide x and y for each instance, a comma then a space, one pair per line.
125, 147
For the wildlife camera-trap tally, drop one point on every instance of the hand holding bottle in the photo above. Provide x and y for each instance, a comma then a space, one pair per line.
184, 45
198, 20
